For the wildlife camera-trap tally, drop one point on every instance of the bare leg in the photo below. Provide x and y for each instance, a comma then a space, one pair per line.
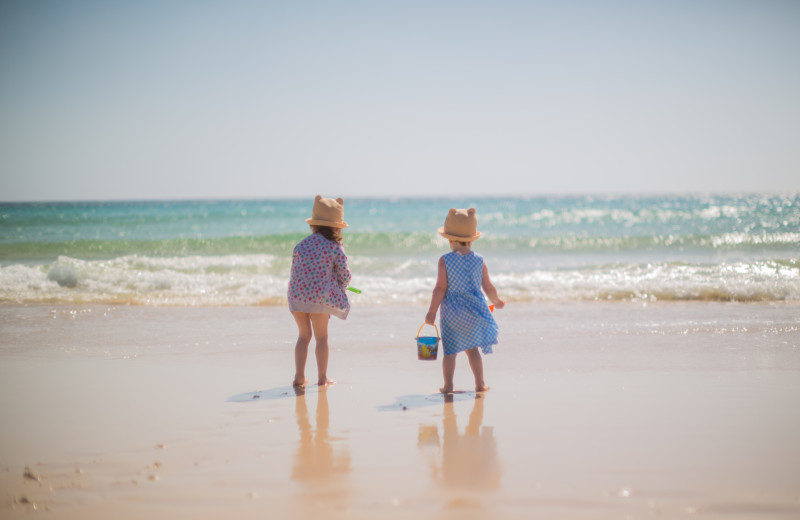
319, 322
476, 364
301, 347
448, 370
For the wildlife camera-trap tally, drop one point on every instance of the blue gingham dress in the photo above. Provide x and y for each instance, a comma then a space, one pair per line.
465, 319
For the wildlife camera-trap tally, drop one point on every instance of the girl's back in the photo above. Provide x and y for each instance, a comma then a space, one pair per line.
464, 272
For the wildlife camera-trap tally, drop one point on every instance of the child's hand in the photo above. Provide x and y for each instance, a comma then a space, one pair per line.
499, 304
430, 318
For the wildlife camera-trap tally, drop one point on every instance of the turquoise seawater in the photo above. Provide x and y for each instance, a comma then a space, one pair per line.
238, 252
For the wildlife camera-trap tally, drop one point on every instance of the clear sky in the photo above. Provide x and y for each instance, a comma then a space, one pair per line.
218, 99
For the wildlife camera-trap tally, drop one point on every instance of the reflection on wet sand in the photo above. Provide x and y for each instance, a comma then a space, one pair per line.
465, 462
319, 465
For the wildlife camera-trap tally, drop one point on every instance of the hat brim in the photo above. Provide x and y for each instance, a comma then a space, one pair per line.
458, 238
315, 222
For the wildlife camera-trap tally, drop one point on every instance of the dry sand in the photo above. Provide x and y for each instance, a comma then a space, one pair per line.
597, 410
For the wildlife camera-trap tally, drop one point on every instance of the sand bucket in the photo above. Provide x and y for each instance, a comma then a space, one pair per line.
427, 346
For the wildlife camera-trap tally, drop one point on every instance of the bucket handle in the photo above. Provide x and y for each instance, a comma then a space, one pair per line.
434, 326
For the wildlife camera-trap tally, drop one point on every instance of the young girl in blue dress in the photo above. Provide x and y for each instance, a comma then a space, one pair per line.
466, 322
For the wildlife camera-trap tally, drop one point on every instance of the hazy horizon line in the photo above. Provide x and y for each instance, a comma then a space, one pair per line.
310, 196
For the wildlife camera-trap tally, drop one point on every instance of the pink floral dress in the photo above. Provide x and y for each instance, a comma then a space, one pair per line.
319, 277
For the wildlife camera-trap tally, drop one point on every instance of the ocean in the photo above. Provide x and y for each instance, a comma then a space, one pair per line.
743, 248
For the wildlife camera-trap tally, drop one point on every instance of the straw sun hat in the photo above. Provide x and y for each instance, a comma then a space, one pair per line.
461, 225
327, 212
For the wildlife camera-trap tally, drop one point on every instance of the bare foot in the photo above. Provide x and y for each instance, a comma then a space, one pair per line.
300, 383
482, 388
446, 389
326, 382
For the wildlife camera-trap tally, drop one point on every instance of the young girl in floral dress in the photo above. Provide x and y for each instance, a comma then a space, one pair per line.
317, 285
466, 323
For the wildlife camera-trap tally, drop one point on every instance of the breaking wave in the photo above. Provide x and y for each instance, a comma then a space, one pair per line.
262, 280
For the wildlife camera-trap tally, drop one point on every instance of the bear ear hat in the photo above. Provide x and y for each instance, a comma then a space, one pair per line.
461, 225
327, 212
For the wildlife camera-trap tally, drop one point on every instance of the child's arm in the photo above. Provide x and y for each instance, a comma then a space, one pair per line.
490, 290
438, 293
341, 271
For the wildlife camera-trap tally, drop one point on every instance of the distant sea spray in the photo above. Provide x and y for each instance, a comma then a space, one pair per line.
187, 253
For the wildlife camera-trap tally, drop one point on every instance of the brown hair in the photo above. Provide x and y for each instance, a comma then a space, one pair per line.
332, 234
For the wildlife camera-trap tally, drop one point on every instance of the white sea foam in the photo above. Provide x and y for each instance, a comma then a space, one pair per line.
236, 280
757, 281
262, 280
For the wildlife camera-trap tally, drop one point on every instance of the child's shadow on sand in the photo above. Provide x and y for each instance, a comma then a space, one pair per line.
281, 392
414, 401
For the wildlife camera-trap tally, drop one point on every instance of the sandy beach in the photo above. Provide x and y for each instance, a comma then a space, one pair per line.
626, 174
597, 410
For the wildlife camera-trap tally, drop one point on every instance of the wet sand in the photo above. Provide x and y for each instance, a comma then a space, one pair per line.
597, 410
